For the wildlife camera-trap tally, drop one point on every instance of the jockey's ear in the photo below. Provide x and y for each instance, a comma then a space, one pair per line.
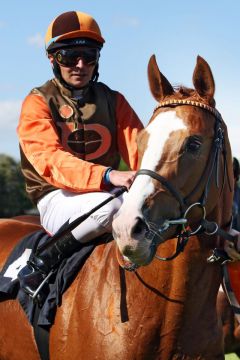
203, 79
160, 87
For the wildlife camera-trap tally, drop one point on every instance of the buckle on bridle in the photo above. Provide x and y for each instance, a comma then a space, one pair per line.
220, 256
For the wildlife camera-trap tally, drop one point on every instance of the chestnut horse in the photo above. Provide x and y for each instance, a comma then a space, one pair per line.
167, 309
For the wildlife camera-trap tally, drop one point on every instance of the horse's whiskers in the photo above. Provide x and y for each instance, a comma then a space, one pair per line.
152, 231
153, 227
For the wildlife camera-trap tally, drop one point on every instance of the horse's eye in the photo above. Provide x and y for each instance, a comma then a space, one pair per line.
193, 144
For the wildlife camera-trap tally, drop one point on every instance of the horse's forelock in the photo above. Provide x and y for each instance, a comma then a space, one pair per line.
182, 92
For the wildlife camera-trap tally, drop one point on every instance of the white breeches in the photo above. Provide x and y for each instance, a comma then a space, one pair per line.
59, 206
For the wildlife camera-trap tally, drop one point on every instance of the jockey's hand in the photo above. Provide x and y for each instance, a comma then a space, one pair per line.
233, 248
122, 178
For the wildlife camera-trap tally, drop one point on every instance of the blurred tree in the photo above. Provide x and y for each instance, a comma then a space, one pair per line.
123, 166
13, 198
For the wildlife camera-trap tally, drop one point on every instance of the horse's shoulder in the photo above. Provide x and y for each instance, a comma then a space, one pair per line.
102, 257
98, 277
101, 264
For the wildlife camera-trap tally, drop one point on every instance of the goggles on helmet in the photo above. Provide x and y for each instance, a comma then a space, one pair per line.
71, 57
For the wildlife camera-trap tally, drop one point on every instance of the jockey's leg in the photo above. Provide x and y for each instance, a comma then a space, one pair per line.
53, 214
60, 208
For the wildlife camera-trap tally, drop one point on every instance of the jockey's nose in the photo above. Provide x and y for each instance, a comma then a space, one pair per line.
81, 63
139, 228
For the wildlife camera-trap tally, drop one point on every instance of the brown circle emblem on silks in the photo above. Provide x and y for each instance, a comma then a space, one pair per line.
91, 141
66, 111
76, 141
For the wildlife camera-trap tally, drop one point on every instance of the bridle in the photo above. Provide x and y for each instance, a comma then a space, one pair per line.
211, 170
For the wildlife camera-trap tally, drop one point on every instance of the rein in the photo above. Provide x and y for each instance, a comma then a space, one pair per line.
211, 170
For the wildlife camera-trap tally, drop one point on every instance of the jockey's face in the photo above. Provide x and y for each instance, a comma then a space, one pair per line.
79, 74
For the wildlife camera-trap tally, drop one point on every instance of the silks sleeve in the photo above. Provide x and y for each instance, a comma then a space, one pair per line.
129, 125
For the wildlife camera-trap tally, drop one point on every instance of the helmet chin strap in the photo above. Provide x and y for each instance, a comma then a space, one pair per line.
95, 73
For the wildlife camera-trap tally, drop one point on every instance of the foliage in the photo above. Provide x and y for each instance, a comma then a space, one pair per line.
123, 166
231, 357
13, 198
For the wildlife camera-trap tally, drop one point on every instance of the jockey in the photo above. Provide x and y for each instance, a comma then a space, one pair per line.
236, 195
233, 249
73, 131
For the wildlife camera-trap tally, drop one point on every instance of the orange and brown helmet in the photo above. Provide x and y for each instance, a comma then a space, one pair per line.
73, 28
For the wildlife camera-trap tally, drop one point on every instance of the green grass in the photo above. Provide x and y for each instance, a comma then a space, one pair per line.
231, 357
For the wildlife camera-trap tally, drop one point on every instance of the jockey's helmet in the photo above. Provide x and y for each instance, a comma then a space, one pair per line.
73, 28
70, 29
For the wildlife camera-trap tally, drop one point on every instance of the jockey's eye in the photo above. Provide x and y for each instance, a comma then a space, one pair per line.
193, 144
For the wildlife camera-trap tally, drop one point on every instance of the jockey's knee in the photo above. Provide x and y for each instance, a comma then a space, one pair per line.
104, 216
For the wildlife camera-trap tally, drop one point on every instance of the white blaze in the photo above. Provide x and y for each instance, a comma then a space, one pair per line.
158, 131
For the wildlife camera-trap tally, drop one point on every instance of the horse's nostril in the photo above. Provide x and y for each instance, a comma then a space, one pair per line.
139, 227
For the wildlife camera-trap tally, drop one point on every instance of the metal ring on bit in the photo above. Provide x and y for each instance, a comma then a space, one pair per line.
203, 217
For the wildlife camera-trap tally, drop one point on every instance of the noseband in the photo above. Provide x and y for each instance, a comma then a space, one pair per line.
211, 170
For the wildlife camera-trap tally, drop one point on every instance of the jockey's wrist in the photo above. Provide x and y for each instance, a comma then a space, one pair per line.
106, 177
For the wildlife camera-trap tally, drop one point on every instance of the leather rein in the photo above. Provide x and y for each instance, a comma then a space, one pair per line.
211, 171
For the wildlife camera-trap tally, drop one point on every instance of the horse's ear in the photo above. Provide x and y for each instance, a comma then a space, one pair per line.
203, 79
159, 85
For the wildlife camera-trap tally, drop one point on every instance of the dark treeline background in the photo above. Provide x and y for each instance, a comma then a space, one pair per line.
13, 198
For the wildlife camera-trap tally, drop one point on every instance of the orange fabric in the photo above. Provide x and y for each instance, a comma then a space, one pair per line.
41, 145
86, 27
234, 274
128, 127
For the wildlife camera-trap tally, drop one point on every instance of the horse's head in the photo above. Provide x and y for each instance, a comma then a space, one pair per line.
183, 161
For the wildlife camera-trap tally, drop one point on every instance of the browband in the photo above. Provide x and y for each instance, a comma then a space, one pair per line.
176, 102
